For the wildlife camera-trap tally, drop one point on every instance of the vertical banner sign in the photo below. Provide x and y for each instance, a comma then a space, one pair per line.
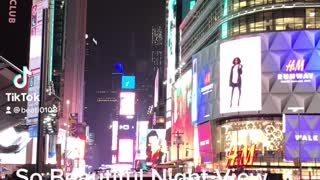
73, 122
15, 31
58, 149
35, 58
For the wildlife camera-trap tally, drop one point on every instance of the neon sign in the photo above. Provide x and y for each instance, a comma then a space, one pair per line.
295, 73
245, 157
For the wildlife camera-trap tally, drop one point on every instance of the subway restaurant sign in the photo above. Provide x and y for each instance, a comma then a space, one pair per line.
241, 156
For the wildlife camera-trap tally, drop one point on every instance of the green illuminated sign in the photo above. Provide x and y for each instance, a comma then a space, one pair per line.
224, 28
51, 39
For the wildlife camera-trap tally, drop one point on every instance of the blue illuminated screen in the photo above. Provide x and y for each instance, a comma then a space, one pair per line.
128, 82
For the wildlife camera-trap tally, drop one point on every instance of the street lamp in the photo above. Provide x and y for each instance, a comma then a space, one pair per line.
67, 134
178, 142
297, 110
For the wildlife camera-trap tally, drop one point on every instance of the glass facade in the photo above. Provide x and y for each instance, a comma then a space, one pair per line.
278, 20
250, 16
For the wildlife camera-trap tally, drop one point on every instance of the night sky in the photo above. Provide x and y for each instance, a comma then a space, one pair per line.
112, 23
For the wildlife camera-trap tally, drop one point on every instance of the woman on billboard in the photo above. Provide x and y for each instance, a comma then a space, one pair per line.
235, 78
154, 150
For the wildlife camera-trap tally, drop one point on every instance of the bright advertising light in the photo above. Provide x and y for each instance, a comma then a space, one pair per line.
156, 89
75, 148
125, 152
171, 46
194, 100
9, 138
240, 75
266, 134
127, 103
142, 128
128, 82
181, 120
115, 125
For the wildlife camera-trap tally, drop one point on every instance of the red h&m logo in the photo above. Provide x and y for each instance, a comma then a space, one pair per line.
241, 158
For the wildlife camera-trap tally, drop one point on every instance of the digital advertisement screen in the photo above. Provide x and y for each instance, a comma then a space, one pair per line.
181, 115
302, 131
127, 103
171, 51
265, 134
35, 58
75, 147
127, 128
204, 84
13, 147
240, 75
156, 146
142, 131
125, 151
205, 143
128, 82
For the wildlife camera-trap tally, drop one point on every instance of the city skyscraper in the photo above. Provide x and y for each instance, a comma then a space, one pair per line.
157, 52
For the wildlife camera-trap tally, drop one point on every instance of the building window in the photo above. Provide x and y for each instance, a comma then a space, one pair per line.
243, 25
310, 18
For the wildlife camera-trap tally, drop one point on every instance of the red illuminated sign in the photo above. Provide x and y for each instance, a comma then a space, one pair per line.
244, 157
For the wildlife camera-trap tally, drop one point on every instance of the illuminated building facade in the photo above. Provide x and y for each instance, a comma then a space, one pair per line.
253, 63
157, 54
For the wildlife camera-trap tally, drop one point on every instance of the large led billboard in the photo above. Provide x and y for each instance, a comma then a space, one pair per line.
126, 127
142, 131
128, 82
266, 134
204, 84
279, 72
171, 51
181, 114
114, 144
125, 151
35, 57
156, 146
302, 131
75, 148
13, 147
127, 103
240, 75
